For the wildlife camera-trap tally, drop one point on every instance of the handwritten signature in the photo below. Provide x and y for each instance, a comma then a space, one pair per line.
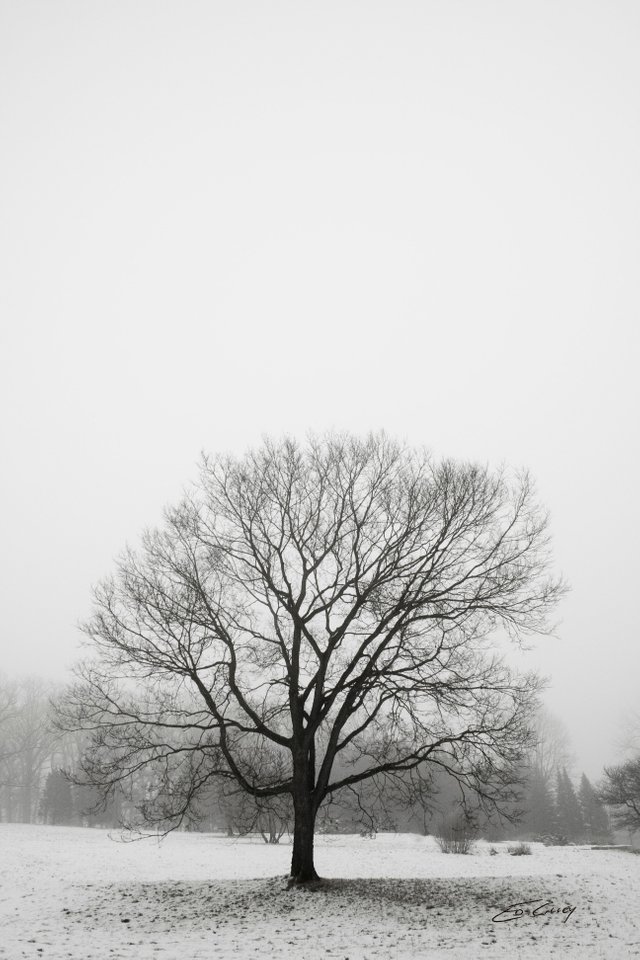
524, 907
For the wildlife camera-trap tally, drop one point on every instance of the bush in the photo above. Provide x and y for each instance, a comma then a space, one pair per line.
493, 852
520, 850
455, 844
456, 837
550, 840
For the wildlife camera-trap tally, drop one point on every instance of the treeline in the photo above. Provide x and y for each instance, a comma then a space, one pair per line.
560, 813
35, 787
29, 747
33, 754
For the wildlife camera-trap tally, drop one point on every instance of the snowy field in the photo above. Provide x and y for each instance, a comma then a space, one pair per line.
73, 893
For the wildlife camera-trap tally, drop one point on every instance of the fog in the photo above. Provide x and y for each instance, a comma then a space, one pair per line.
228, 220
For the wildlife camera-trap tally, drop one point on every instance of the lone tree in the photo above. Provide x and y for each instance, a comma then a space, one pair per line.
313, 616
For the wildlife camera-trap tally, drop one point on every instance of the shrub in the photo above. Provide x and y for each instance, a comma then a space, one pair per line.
550, 840
520, 850
455, 844
456, 837
493, 852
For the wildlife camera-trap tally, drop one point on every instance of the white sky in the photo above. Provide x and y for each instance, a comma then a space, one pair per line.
226, 219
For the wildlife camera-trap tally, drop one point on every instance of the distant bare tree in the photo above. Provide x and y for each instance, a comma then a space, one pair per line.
27, 739
552, 751
305, 604
629, 740
8, 701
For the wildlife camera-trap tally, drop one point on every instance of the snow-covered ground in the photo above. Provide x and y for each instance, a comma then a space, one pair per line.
73, 893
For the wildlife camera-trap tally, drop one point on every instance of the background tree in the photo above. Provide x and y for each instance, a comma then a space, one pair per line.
594, 816
629, 738
56, 803
305, 604
569, 822
540, 818
620, 790
8, 699
552, 750
27, 746
550, 755
227, 806
8, 704
93, 808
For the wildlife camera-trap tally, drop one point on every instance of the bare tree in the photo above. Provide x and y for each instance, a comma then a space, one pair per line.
629, 738
8, 709
27, 745
8, 701
620, 790
552, 751
309, 603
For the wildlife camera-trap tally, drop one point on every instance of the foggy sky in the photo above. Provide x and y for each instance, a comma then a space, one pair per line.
221, 220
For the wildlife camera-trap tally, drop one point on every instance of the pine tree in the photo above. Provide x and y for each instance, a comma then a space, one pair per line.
594, 815
569, 822
56, 806
541, 813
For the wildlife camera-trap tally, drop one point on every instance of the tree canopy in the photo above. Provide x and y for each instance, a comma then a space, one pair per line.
312, 616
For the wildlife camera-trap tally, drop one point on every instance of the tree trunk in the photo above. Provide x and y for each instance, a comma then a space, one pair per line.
302, 866
27, 801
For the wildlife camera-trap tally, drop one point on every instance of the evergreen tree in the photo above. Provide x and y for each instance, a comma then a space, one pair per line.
541, 815
594, 815
56, 805
569, 823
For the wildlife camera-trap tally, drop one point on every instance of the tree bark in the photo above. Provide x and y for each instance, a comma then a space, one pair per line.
302, 866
